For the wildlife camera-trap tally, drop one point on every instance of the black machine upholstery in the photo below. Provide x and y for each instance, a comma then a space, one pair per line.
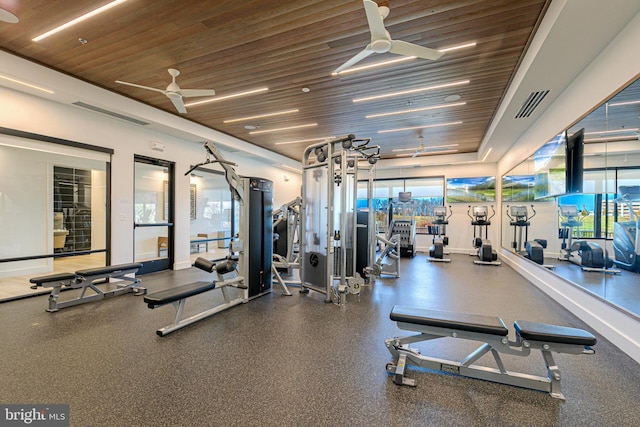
179, 292
109, 270
52, 278
553, 333
446, 319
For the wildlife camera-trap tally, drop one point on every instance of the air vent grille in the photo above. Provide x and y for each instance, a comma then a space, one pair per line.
109, 113
531, 103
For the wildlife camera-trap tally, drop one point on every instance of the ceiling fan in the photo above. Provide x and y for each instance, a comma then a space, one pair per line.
173, 91
423, 149
381, 41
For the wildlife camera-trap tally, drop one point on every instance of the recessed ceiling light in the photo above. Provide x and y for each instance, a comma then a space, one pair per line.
260, 116
461, 46
8, 17
220, 98
421, 127
250, 127
78, 19
306, 89
618, 104
606, 132
611, 138
427, 153
414, 110
304, 140
487, 154
427, 147
452, 98
308, 125
405, 92
374, 65
25, 84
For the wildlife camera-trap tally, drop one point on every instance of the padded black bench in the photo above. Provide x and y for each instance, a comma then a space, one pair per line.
492, 332
88, 279
175, 294
227, 275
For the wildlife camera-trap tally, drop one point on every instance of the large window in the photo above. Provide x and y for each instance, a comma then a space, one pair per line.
53, 207
426, 193
211, 214
597, 206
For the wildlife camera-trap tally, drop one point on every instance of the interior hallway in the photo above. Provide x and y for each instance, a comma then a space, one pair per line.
296, 360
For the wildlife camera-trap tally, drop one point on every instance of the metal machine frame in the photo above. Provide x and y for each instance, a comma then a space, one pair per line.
436, 251
573, 250
328, 213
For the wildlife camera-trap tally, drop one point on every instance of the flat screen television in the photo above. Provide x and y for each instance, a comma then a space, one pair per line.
550, 168
575, 162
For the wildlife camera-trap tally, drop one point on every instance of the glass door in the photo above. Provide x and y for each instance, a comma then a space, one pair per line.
153, 214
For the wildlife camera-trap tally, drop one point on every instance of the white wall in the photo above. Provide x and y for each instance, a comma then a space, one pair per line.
17, 111
459, 230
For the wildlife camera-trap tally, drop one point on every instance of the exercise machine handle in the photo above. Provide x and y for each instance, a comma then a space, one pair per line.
534, 212
450, 213
509, 215
469, 212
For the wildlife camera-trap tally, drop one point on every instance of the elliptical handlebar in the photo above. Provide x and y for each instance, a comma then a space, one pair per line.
469, 213
493, 214
450, 213
534, 212
508, 214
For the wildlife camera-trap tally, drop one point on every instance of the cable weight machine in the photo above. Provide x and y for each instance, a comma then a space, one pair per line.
328, 215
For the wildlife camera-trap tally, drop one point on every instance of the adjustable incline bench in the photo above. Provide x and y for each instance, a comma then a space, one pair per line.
88, 279
433, 324
227, 275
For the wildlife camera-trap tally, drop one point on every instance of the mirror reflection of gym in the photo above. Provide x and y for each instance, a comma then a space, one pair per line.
593, 231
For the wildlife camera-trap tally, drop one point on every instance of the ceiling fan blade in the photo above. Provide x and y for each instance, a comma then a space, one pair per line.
197, 92
359, 57
376, 24
142, 87
414, 155
400, 47
176, 99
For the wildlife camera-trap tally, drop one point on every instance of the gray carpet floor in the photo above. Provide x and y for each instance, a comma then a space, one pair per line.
295, 360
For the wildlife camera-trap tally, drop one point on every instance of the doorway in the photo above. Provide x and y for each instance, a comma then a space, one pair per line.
153, 214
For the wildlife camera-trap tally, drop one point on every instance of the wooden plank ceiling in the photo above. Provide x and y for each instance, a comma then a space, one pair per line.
285, 45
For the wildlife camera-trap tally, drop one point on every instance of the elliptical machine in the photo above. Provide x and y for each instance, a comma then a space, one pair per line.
626, 234
481, 219
519, 219
588, 255
436, 250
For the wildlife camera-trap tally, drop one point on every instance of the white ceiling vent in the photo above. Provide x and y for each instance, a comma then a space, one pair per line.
110, 113
531, 103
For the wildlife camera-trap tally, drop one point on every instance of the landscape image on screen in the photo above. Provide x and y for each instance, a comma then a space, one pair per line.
550, 168
518, 188
471, 190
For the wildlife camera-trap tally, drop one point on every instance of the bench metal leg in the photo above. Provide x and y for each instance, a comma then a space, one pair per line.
554, 375
179, 305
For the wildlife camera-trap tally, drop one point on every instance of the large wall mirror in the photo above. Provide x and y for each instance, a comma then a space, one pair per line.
580, 194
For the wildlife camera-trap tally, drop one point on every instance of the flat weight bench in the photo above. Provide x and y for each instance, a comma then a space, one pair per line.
88, 279
227, 275
492, 332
